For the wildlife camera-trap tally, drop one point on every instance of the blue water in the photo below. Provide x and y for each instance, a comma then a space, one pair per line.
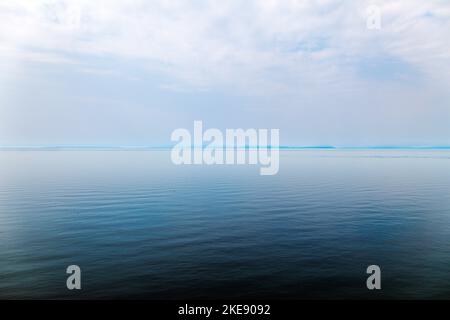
141, 227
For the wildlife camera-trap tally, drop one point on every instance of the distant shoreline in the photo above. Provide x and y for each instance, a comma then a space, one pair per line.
143, 148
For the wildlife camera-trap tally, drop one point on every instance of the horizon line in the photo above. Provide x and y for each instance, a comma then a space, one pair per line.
286, 147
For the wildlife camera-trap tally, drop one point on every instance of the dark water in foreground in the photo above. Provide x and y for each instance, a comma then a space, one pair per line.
140, 227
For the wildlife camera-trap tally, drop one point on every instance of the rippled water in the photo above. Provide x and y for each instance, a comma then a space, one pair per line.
141, 227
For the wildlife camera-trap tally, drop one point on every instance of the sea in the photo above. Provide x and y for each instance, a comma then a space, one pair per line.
139, 226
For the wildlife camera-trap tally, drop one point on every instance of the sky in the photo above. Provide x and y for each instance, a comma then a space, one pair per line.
130, 72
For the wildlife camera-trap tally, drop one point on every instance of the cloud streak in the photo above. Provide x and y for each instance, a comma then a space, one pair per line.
232, 42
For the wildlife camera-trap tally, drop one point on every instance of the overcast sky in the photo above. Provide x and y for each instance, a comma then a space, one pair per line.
130, 72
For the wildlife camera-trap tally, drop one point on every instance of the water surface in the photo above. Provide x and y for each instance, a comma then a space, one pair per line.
141, 227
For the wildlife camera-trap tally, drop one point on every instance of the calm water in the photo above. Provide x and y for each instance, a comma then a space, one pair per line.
140, 227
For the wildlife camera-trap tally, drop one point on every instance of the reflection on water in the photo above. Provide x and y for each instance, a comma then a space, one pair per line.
140, 227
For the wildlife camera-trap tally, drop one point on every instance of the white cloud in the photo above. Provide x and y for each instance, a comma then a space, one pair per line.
249, 44
78, 70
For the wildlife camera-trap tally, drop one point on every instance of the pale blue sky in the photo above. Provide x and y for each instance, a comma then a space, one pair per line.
130, 72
